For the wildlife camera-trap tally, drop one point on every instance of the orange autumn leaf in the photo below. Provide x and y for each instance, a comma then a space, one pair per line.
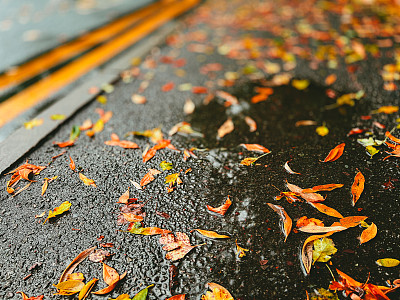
309, 197
168, 86
357, 187
221, 209
255, 147
69, 287
115, 141
87, 181
259, 97
226, 128
335, 153
152, 151
64, 144
391, 137
177, 297
45, 185
330, 79
351, 221
178, 245
286, 220
72, 164
77, 260
251, 123
311, 228
84, 293
307, 250
218, 293
124, 197
229, 99
369, 233
25, 297
110, 287
320, 188
132, 217
110, 275
304, 221
327, 210
149, 177
212, 234
199, 90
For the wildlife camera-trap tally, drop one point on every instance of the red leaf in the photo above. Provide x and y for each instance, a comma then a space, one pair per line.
64, 144
199, 90
168, 86
72, 164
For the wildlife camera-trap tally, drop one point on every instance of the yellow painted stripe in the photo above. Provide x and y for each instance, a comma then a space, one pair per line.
44, 88
70, 49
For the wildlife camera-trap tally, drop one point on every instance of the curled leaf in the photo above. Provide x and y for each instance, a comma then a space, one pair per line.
77, 260
240, 252
221, 209
149, 177
86, 289
25, 297
255, 147
289, 170
307, 251
286, 220
251, 123
87, 181
335, 153
58, 210
357, 187
212, 234
72, 164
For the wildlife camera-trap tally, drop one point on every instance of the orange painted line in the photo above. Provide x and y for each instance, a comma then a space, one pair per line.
70, 49
44, 88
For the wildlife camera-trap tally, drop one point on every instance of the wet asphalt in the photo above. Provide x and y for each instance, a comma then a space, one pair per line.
272, 268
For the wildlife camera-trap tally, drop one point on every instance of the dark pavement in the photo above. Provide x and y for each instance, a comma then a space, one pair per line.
248, 43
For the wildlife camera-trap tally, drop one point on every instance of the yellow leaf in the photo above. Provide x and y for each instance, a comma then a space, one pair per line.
300, 84
86, 180
172, 179
58, 210
390, 109
69, 287
323, 248
86, 289
322, 130
218, 293
57, 117
101, 99
388, 262
240, 251
33, 123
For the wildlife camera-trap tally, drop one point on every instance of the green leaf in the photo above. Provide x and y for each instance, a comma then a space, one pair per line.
323, 248
388, 262
142, 295
166, 165
75, 132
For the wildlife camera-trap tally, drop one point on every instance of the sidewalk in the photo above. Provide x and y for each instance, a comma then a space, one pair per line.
248, 62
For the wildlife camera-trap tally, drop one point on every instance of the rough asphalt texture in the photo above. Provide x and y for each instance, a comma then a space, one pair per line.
216, 173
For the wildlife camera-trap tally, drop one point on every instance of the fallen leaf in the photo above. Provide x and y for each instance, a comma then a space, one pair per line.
64, 144
72, 164
138, 99
240, 252
392, 138
124, 197
212, 234
75, 132
248, 161
173, 179
45, 185
371, 150
165, 166
189, 107
77, 260
154, 134
358, 187
86, 180
289, 170
309, 197
111, 277
226, 128
307, 250
285, 219
132, 217
304, 221
324, 187
99, 255
351, 221
255, 147
251, 123
322, 130
330, 79
300, 84
33, 123
149, 177
76, 276
58, 210
368, 234
115, 141
57, 117
142, 295
221, 209
152, 151
323, 249
84, 293
229, 99
25, 297
335, 153
177, 297
168, 86
388, 262
312, 228
389, 109
218, 293
69, 287
305, 123
122, 297
148, 230
327, 210
199, 90
178, 245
